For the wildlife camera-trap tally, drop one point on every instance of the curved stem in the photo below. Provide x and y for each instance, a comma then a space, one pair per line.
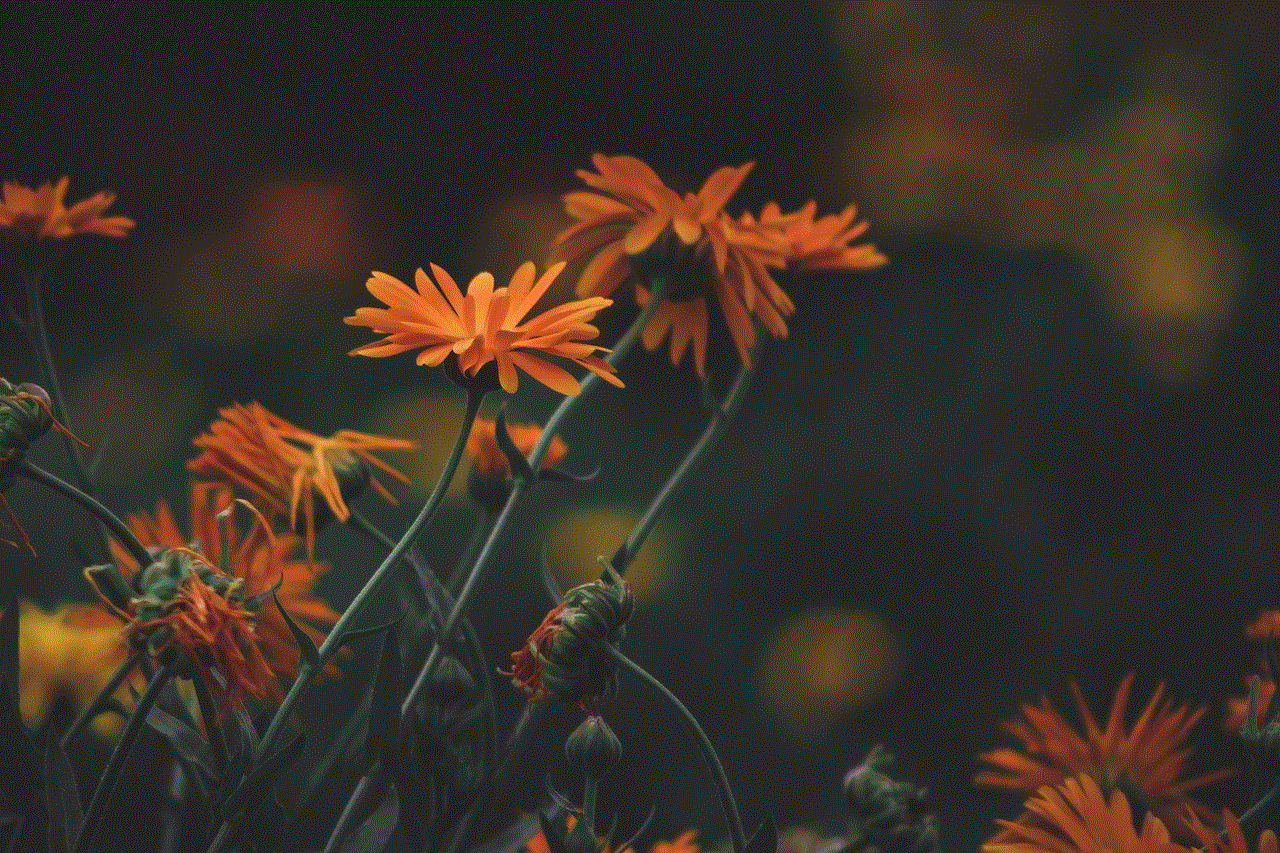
334, 641
1258, 806
40, 343
732, 817
89, 502
96, 705
692, 461
589, 789
121, 752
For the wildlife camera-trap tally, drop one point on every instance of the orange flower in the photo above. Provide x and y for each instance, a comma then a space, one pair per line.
1076, 817
638, 227
281, 466
820, 244
258, 560
214, 632
1148, 761
1238, 707
40, 214
1266, 626
487, 458
485, 325
528, 661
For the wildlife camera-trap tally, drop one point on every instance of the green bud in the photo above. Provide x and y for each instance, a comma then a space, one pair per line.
593, 748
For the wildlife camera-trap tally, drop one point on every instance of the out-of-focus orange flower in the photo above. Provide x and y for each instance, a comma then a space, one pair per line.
68, 653
637, 227
258, 559
1266, 626
487, 458
822, 243
1238, 707
684, 843
40, 214
1076, 817
1212, 842
282, 466
1148, 761
486, 325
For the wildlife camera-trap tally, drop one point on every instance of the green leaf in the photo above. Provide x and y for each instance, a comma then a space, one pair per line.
383, 742
375, 832
306, 648
259, 780
66, 812
185, 741
520, 469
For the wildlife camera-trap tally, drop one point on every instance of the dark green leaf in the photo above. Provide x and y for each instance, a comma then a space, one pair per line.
184, 740
520, 469
375, 832
306, 648
437, 598
66, 813
259, 780
383, 742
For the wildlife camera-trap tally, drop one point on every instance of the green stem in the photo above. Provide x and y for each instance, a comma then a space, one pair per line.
96, 705
1258, 806
330, 760
40, 343
89, 502
692, 461
589, 789
115, 764
349, 812
482, 803
732, 817
334, 641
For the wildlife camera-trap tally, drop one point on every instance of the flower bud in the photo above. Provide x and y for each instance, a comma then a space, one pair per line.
892, 814
593, 748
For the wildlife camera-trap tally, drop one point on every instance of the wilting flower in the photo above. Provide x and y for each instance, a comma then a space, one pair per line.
485, 325
822, 243
282, 467
25, 415
489, 480
562, 659
1148, 761
256, 561
67, 654
1076, 817
40, 214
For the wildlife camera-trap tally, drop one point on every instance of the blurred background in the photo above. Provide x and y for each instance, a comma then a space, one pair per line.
1031, 449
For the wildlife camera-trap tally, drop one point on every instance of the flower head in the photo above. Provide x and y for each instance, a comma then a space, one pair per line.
67, 654
257, 561
40, 214
489, 479
1076, 817
561, 658
282, 467
25, 415
1148, 760
485, 325
821, 243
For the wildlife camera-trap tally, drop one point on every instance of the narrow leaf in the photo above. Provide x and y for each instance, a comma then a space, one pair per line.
520, 469
185, 741
66, 813
384, 714
259, 780
630, 843
306, 648
437, 598
375, 832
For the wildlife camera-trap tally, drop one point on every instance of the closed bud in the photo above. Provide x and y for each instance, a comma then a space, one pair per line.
593, 748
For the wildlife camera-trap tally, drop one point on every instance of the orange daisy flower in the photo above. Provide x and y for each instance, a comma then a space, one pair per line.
1076, 817
638, 227
1148, 761
258, 560
1212, 842
820, 244
40, 214
282, 467
486, 325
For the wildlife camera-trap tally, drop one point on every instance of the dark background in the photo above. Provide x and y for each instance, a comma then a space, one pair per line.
1030, 449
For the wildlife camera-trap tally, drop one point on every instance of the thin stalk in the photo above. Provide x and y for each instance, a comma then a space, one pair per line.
732, 816
481, 804
692, 461
116, 763
334, 641
589, 789
1258, 806
89, 502
330, 760
456, 578
348, 814
96, 705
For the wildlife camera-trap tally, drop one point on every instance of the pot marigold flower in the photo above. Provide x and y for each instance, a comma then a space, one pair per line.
67, 654
486, 325
636, 226
257, 561
41, 214
822, 243
281, 467
1076, 817
489, 479
1148, 761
